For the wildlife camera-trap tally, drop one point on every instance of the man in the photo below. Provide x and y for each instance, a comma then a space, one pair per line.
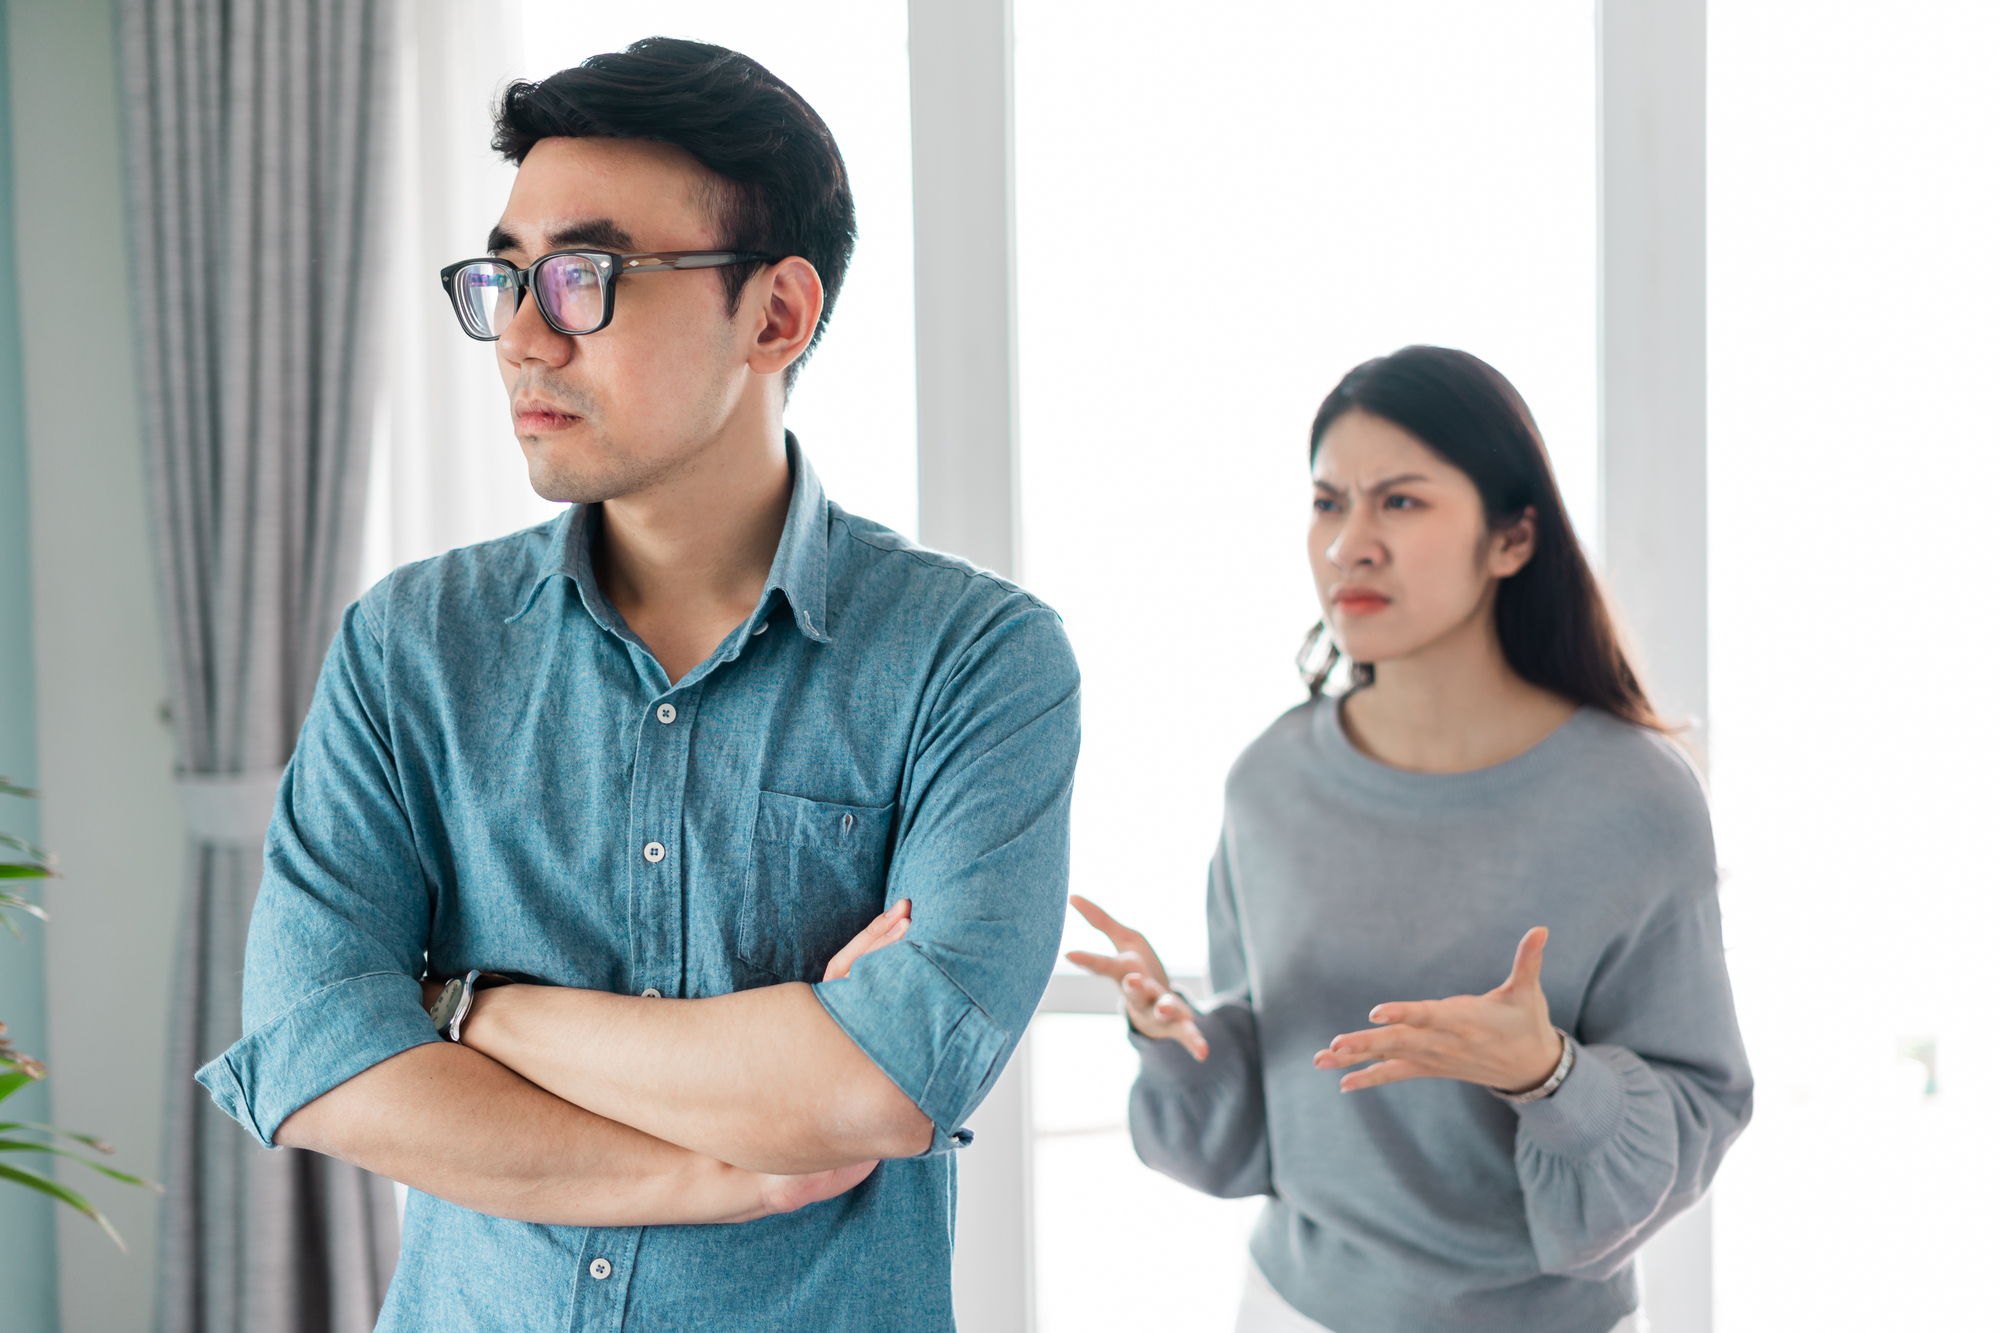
770, 804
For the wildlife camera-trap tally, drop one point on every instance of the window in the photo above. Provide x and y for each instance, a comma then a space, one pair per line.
1215, 220
1853, 466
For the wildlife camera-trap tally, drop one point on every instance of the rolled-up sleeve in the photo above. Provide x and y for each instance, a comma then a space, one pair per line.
983, 855
337, 936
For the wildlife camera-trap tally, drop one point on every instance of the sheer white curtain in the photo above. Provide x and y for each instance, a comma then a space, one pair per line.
446, 469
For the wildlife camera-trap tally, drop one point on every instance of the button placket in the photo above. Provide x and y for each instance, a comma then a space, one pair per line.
609, 1258
659, 782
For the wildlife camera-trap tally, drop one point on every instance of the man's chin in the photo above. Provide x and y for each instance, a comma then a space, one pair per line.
564, 479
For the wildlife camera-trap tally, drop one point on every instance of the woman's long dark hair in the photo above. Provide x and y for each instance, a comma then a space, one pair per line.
1555, 629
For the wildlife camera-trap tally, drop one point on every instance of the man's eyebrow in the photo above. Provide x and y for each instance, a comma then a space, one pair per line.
599, 233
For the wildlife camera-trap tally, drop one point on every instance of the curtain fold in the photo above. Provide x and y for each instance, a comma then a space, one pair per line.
254, 131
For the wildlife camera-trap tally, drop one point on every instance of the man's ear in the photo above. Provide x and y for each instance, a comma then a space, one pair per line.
1513, 545
788, 300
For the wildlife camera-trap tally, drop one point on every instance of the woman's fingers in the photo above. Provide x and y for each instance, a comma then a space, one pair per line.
1100, 918
1189, 1036
1162, 1014
1527, 971
1409, 1013
1387, 1071
1397, 1042
1115, 966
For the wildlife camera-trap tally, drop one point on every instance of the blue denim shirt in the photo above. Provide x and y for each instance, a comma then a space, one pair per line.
496, 773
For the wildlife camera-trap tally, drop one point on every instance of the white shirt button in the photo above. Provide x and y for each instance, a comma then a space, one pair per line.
600, 1269
650, 994
760, 629
666, 714
655, 853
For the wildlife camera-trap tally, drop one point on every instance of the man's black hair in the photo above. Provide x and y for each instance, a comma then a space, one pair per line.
782, 187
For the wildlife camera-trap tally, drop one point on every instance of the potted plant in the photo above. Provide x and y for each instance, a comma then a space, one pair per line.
18, 1069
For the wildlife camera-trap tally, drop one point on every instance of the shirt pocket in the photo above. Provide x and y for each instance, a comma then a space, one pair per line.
818, 874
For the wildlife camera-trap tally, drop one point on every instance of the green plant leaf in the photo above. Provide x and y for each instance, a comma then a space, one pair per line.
64, 1194
29, 1145
8, 788
9, 1083
22, 845
19, 870
87, 1140
16, 901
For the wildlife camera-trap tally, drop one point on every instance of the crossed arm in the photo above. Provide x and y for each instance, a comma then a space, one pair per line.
582, 1108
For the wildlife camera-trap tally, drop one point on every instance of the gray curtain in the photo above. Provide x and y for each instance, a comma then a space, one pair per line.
254, 130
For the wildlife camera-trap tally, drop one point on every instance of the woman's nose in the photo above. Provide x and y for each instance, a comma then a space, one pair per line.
1354, 545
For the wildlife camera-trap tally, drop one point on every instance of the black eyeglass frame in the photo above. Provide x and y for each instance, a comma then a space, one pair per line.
610, 267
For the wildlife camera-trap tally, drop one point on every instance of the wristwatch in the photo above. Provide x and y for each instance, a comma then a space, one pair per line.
1554, 1081
455, 1002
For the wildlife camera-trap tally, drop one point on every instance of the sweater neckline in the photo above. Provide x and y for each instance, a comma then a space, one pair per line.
1370, 774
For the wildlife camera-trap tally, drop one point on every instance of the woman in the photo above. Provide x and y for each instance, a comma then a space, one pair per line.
1488, 1162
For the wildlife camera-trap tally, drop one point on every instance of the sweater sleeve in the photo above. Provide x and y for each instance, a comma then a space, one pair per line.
1202, 1121
1660, 1089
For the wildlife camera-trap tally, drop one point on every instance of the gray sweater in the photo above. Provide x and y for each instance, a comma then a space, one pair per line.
1430, 1206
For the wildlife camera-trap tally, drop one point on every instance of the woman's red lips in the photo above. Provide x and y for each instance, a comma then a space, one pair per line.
1359, 600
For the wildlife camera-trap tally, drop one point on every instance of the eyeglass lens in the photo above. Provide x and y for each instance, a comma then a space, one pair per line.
572, 293
571, 289
486, 297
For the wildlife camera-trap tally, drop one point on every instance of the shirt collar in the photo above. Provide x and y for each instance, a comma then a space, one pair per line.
799, 570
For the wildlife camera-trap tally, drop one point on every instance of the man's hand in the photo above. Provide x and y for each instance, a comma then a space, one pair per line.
1502, 1039
882, 932
1151, 1003
785, 1194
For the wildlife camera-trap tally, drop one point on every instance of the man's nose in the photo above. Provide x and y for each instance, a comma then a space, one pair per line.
528, 337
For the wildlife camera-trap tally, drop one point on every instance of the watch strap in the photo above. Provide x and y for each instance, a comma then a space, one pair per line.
455, 1001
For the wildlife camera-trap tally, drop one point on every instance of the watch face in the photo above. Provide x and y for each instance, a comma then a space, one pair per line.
447, 1003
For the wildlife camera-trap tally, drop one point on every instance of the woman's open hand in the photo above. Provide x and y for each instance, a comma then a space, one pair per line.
1502, 1039
1150, 1000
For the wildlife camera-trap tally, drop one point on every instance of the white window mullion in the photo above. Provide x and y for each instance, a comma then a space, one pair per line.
968, 503
1653, 429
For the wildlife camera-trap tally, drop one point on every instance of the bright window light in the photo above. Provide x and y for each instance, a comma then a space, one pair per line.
1215, 221
1853, 464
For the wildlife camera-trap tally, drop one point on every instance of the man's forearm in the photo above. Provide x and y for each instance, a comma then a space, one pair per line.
458, 1126
764, 1079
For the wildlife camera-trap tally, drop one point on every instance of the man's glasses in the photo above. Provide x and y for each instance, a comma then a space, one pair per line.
573, 288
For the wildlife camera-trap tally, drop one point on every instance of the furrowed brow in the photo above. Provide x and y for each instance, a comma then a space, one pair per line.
1390, 483
500, 239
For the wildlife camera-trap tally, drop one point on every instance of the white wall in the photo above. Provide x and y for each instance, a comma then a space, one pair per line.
106, 754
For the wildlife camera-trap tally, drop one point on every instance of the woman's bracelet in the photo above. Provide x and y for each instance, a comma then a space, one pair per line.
1554, 1081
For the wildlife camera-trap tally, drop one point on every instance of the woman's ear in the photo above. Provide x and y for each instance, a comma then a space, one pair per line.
1513, 545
